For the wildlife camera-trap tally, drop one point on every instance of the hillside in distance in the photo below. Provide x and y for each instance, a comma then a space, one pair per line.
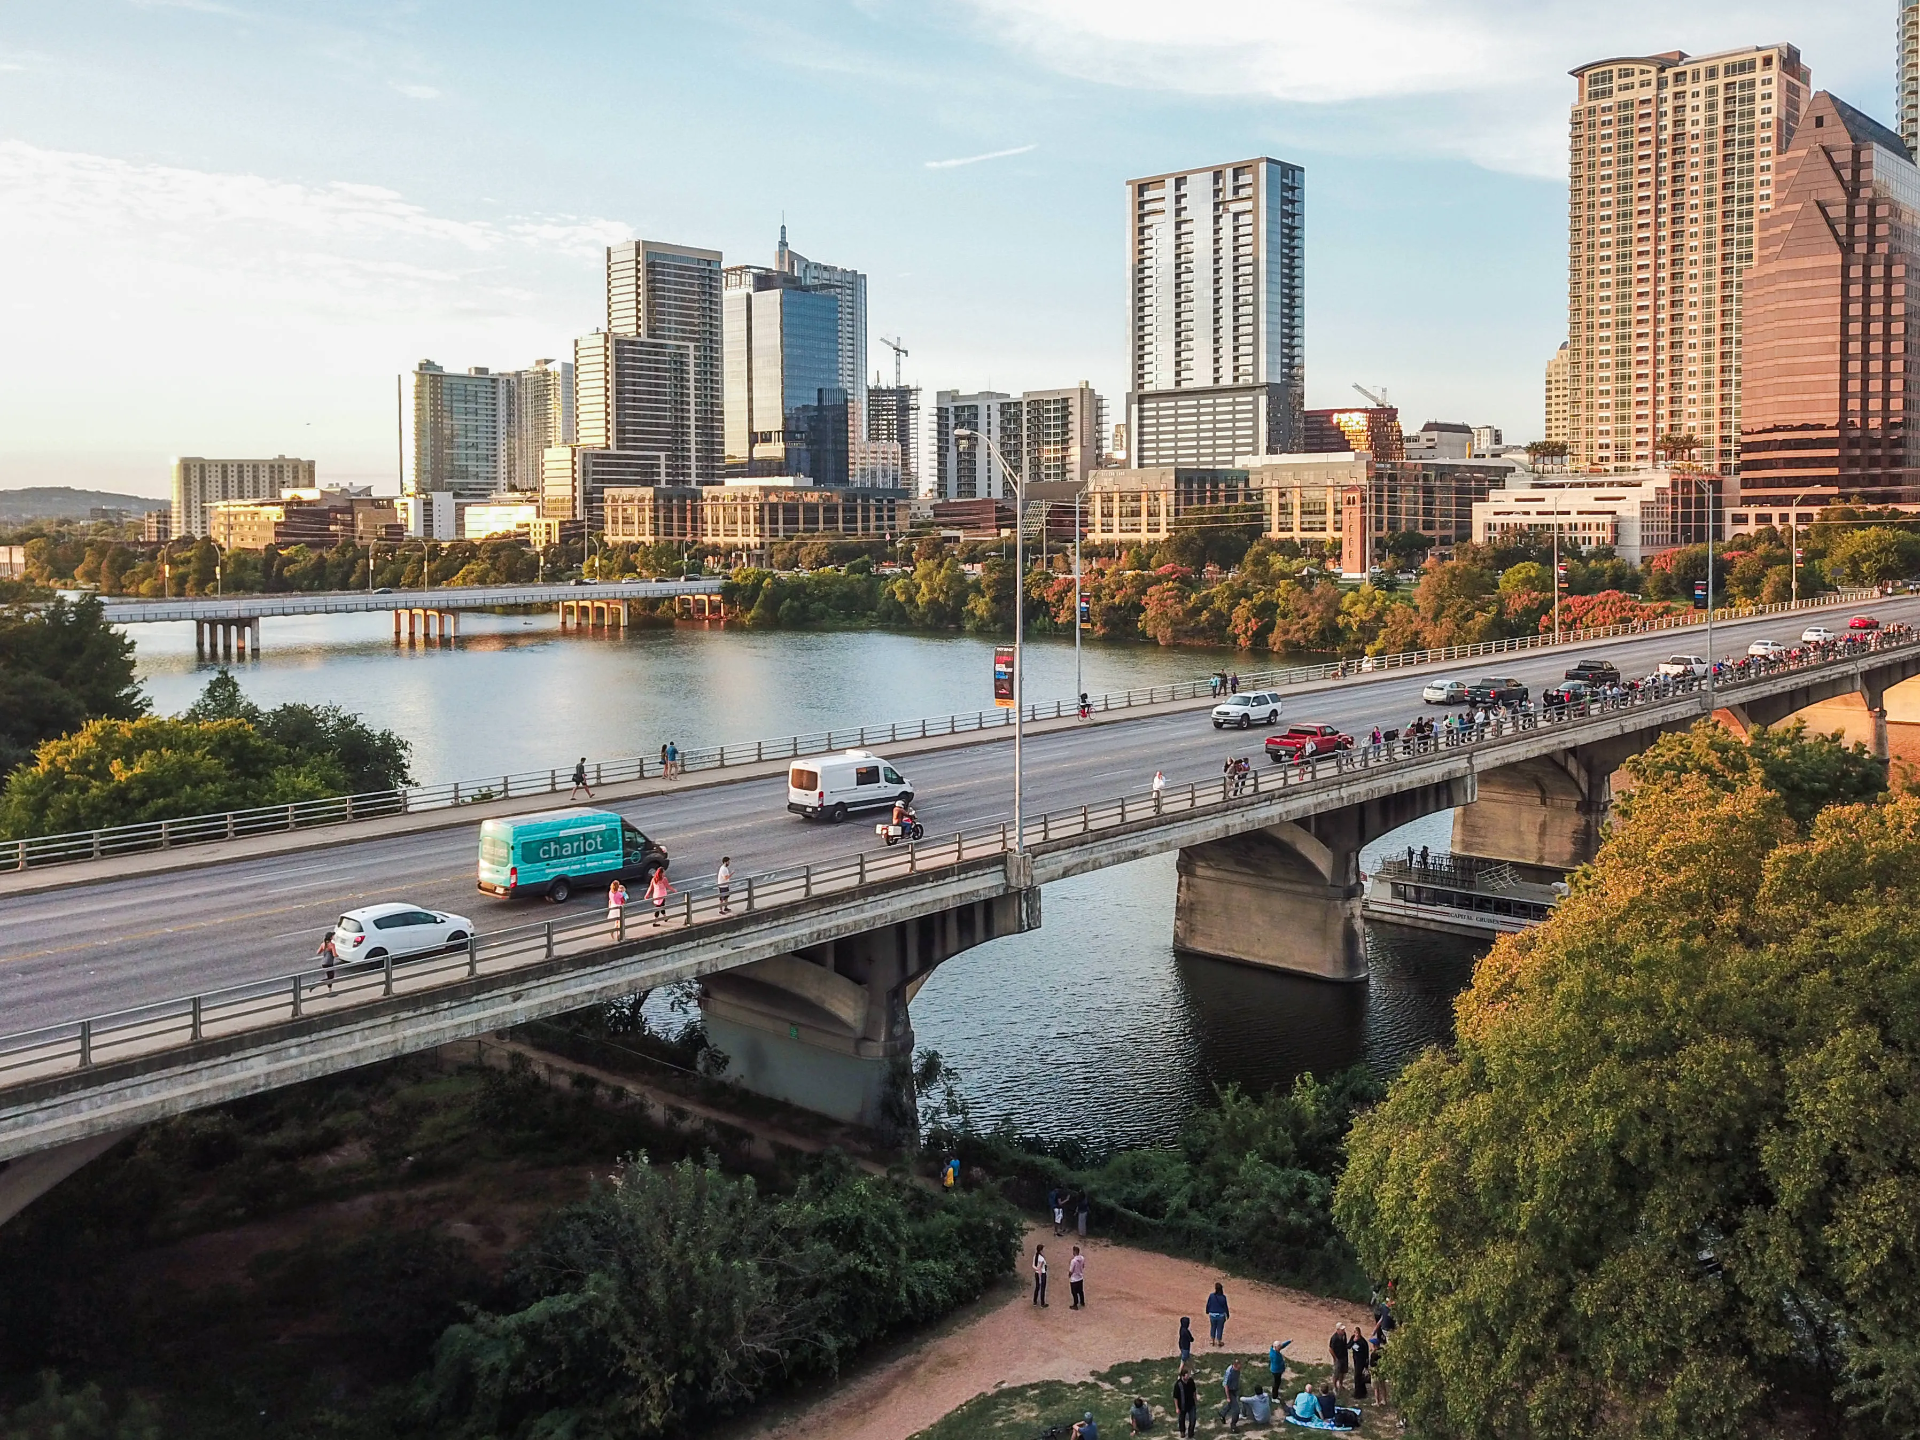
63, 502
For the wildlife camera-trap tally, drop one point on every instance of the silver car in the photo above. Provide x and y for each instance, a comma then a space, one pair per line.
1445, 692
1243, 712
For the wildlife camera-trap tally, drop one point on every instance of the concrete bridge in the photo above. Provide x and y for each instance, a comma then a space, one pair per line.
808, 982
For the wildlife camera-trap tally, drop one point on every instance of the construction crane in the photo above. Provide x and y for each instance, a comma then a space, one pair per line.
899, 354
1379, 400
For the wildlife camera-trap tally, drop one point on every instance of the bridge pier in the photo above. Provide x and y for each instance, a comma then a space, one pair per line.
827, 1027
1288, 897
225, 639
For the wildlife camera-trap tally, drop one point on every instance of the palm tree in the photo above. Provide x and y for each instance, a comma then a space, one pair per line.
1554, 450
1675, 445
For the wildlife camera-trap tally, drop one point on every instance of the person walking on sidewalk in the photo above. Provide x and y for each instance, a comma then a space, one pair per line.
658, 889
580, 779
1040, 1275
617, 909
1077, 1279
723, 882
328, 956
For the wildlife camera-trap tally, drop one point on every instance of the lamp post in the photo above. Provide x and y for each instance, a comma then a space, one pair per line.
972, 437
1078, 688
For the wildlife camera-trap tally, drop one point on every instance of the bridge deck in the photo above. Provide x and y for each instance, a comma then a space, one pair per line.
346, 602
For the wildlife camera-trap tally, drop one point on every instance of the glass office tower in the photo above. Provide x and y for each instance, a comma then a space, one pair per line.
786, 410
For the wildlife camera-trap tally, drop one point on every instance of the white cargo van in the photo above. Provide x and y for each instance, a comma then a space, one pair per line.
834, 786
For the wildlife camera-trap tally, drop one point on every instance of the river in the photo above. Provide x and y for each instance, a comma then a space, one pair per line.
1121, 1055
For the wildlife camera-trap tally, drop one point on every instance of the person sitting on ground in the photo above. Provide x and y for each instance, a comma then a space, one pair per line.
1140, 1418
1087, 1429
1260, 1407
1329, 1403
1306, 1405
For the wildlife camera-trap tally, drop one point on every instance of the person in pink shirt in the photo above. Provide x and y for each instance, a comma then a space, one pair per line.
658, 889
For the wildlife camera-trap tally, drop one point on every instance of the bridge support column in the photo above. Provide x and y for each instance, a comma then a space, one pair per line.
255, 626
827, 1027
1288, 897
25, 1180
1550, 811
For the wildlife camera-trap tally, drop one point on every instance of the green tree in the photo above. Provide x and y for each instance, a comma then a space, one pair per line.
1807, 772
1670, 1176
59, 668
368, 760
1870, 556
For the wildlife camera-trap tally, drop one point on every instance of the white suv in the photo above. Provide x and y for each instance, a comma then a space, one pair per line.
1245, 711
1817, 635
1766, 650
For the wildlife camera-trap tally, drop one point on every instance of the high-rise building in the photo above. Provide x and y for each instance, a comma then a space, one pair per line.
893, 414
1556, 412
633, 396
1829, 380
200, 483
1907, 96
787, 412
542, 417
849, 287
1216, 313
1052, 436
1373, 428
460, 431
672, 292
1670, 166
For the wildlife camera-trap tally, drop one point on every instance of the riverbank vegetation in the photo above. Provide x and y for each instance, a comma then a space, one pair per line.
123, 766
1667, 1181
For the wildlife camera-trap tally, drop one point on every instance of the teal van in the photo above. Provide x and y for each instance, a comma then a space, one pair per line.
556, 852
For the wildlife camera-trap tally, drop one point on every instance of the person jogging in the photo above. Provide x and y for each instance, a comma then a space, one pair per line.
328, 957
580, 779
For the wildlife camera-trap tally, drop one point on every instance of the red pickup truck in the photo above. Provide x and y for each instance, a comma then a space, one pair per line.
1306, 742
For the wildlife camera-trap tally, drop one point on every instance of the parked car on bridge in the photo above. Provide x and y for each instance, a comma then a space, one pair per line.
1496, 690
375, 932
555, 852
1817, 635
834, 786
1599, 672
1861, 623
1678, 665
1306, 742
1445, 692
1245, 711
1570, 692
1767, 649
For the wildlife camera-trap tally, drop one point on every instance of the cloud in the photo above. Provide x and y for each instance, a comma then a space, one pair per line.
416, 92
1483, 80
976, 159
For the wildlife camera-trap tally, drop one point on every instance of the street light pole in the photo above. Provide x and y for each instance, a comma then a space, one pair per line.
1015, 480
1078, 688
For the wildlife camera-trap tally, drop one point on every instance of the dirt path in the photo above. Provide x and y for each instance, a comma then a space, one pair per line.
1135, 1299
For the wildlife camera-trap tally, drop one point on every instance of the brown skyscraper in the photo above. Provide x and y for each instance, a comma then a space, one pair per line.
1830, 382
1670, 163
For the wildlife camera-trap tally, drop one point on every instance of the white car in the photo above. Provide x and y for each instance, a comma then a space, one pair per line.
373, 932
1694, 665
1817, 634
1243, 712
1766, 649
1445, 692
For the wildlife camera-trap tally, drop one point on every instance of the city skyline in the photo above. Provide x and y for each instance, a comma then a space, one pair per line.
269, 258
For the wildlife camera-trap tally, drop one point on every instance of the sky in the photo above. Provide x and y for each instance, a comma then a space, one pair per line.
227, 226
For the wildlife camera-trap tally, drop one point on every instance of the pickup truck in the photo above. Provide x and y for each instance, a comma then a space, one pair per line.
1306, 742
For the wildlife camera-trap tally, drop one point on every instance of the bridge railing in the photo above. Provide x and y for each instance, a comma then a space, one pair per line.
320, 990
154, 835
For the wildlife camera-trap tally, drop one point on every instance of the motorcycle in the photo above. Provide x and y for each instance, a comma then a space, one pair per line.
909, 830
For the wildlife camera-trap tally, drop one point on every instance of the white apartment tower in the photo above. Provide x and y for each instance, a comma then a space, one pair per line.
542, 417
1050, 436
672, 293
1907, 87
1670, 162
198, 483
1216, 313
461, 430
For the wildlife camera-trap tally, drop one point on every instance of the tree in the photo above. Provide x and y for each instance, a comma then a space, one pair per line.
1670, 1177
59, 668
368, 760
1870, 556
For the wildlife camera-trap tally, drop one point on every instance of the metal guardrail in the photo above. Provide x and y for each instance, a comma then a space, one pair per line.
233, 1010
133, 611
346, 809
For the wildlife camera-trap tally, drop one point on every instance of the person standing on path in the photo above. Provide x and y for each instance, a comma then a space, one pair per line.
658, 889
1085, 1205
1230, 1383
1277, 1362
580, 779
1186, 1343
1217, 1313
1159, 785
1059, 1213
617, 910
1077, 1279
723, 882
1338, 1346
666, 765
1186, 1401
1379, 1380
1361, 1355
673, 761
1040, 1275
